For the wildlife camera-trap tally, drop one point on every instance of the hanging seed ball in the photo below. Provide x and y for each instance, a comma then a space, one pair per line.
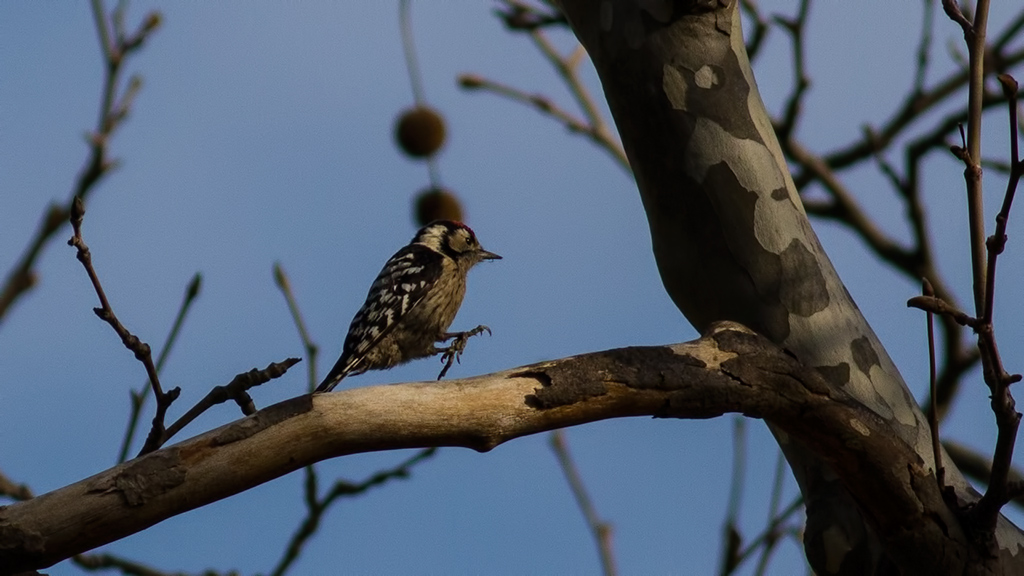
420, 131
436, 204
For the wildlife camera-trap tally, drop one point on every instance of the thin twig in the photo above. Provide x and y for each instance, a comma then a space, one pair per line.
937, 305
979, 467
140, 349
773, 530
567, 67
522, 16
924, 47
104, 562
312, 350
601, 530
801, 82
138, 398
731, 537
999, 491
933, 416
22, 277
760, 27
975, 36
913, 108
310, 484
14, 491
416, 80
985, 513
103, 32
317, 507
997, 242
409, 49
772, 538
545, 106
237, 390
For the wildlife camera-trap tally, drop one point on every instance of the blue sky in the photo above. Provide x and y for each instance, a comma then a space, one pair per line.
263, 133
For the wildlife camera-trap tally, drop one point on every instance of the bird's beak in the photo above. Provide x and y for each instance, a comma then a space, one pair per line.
485, 255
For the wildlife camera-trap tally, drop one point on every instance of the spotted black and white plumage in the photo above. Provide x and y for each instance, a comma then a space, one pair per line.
412, 303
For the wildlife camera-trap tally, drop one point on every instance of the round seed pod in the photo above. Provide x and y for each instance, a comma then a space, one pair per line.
420, 132
436, 204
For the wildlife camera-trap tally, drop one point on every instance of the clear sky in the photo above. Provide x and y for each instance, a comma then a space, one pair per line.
263, 133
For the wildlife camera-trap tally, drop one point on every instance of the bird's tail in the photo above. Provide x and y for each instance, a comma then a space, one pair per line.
340, 370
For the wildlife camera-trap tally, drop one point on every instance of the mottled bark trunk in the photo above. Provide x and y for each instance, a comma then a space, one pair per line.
730, 236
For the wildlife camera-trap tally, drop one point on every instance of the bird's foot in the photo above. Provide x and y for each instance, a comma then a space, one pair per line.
453, 352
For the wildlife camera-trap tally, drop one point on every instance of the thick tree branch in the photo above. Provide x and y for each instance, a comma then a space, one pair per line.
729, 370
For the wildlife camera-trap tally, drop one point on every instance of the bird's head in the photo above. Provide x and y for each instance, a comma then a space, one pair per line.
455, 240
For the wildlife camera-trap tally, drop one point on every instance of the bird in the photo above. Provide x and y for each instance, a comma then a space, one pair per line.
412, 303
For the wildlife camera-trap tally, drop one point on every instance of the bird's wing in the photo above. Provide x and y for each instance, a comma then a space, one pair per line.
400, 287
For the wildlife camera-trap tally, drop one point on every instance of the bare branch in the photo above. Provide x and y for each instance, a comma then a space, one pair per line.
317, 507
979, 467
138, 398
985, 513
567, 68
774, 532
140, 349
801, 82
760, 27
996, 243
975, 36
731, 537
13, 490
22, 277
936, 305
924, 47
520, 16
729, 370
913, 108
285, 285
933, 416
237, 390
601, 530
104, 562
952, 9
544, 105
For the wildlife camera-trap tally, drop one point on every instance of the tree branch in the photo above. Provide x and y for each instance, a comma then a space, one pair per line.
317, 507
22, 276
729, 370
138, 398
13, 490
601, 530
140, 349
237, 390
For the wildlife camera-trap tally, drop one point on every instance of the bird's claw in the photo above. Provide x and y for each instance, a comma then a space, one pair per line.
453, 353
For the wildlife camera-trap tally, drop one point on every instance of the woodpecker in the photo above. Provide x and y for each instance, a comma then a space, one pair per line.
412, 303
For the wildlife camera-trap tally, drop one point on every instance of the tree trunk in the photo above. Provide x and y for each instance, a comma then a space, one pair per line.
731, 238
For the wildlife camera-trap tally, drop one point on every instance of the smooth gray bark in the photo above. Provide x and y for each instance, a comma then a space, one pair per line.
731, 238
